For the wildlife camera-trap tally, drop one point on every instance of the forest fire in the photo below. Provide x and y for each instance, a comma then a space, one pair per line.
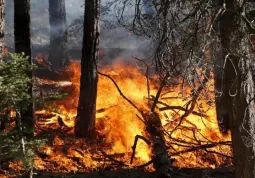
179, 103
197, 142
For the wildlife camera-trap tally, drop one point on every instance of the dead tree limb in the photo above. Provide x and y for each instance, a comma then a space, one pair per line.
167, 107
118, 88
163, 83
135, 144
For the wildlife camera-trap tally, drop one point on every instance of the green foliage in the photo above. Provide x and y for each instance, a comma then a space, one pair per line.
11, 148
14, 81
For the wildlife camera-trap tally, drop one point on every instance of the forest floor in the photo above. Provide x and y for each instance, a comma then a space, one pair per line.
131, 173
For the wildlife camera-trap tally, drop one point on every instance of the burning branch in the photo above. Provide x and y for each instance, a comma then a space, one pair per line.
116, 85
203, 147
167, 107
163, 83
112, 159
135, 143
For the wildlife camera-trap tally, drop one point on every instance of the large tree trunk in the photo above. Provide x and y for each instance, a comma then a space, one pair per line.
85, 121
58, 33
23, 44
2, 24
222, 77
236, 103
243, 120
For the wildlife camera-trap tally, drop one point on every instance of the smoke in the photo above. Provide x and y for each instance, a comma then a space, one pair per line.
148, 7
115, 37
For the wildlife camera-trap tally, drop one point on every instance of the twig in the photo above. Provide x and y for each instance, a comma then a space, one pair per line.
199, 148
167, 107
147, 73
182, 109
192, 102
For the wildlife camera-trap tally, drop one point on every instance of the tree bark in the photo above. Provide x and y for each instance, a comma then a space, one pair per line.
2, 24
236, 104
58, 33
23, 44
223, 77
85, 121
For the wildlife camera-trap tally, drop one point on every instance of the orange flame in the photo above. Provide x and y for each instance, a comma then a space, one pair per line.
118, 124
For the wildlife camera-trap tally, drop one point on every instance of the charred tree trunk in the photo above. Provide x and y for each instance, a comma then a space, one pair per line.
85, 121
23, 44
162, 162
58, 33
236, 104
2, 24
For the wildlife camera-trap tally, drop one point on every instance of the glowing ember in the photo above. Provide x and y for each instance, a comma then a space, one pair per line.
117, 125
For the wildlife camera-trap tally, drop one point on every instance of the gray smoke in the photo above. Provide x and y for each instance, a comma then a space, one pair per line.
114, 37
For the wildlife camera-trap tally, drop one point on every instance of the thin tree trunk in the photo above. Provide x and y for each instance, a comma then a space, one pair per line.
23, 44
58, 33
2, 24
85, 121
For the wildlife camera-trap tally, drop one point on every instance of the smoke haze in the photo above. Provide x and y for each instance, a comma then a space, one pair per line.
117, 37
